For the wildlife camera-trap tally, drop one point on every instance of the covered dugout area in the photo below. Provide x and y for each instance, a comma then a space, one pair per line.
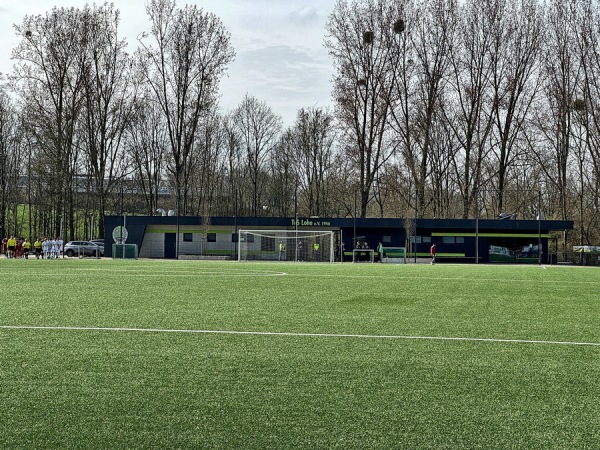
498, 241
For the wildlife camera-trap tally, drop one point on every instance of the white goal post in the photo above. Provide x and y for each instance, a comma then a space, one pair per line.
286, 245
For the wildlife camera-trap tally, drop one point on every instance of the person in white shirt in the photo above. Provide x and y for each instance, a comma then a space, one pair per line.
55, 248
46, 248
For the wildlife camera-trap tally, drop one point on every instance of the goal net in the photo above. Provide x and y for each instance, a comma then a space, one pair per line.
286, 245
394, 255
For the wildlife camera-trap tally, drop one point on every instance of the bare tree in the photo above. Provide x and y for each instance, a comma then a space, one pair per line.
284, 177
259, 130
192, 53
562, 74
9, 165
516, 47
49, 78
362, 38
432, 39
313, 156
232, 142
588, 121
447, 199
146, 145
109, 101
209, 167
465, 107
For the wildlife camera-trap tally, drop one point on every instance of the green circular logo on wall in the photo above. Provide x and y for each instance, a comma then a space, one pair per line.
120, 234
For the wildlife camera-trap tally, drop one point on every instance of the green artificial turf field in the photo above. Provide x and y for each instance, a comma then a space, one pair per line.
159, 354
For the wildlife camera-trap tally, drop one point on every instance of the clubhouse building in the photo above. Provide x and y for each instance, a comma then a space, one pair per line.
457, 240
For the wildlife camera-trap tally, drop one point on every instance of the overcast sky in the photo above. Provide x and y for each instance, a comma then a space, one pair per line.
280, 58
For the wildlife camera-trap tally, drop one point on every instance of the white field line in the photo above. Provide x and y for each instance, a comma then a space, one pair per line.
291, 334
146, 274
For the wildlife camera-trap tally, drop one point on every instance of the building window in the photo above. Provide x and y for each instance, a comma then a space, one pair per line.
387, 239
460, 239
188, 237
211, 237
448, 239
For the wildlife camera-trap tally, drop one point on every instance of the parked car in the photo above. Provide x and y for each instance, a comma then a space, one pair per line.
83, 248
100, 243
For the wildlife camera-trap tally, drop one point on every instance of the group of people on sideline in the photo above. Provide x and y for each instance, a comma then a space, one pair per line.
42, 248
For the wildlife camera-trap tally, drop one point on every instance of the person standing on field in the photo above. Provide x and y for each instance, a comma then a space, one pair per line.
60, 244
26, 248
55, 249
281, 251
380, 251
37, 245
12, 247
19, 252
46, 248
432, 253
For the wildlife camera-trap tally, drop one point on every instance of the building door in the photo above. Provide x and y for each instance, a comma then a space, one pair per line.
170, 245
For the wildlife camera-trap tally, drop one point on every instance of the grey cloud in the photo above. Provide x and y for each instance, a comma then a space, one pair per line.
308, 15
285, 64
289, 77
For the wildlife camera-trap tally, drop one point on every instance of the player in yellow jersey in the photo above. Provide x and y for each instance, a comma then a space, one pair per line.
26, 248
12, 246
37, 246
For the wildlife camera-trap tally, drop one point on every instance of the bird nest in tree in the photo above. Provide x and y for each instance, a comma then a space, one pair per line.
579, 104
398, 26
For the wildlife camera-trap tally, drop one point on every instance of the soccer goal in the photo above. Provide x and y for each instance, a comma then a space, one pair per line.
286, 245
394, 255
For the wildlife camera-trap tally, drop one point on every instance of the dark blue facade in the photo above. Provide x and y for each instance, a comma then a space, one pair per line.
455, 239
